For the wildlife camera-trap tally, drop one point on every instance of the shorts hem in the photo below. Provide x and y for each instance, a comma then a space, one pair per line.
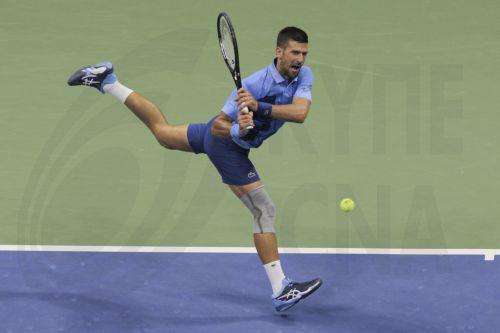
227, 182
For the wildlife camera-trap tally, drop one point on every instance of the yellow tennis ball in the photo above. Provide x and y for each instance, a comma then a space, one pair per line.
347, 204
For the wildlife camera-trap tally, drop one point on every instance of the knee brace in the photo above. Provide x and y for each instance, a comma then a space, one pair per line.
262, 208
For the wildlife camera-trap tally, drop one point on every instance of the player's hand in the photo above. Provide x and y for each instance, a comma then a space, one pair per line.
244, 98
245, 120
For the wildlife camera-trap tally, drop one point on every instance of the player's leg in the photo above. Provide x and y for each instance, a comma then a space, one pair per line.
239, 173
103, 78
286, 293
256, 199
265, 242
169, 136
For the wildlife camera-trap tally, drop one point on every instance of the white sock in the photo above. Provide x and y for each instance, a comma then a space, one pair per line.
275, 275
118, 90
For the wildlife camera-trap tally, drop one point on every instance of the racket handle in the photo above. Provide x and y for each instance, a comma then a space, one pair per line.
245, 110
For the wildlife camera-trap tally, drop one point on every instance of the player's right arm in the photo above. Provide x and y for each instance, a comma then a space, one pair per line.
223, 124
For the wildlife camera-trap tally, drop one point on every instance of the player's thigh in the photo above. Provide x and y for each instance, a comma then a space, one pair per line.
241, 190
231, 161
175, 137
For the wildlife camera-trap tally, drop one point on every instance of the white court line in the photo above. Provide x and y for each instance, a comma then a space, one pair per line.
489, 254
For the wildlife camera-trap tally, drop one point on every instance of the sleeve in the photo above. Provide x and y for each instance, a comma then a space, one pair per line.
305, 84
231, 107
253, 84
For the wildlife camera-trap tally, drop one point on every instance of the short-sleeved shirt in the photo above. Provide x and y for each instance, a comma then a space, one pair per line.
267, 85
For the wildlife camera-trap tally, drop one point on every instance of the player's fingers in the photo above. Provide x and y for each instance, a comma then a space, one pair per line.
245, 96
247, 100
241, 98
245, 117
242, 92
243, 106
246, 124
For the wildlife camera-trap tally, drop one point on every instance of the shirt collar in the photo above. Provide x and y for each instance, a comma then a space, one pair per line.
276, 75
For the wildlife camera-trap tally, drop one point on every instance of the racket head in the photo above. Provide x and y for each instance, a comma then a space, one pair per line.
229, 47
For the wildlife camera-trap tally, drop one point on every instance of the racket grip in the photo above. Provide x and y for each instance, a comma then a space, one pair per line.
245, 110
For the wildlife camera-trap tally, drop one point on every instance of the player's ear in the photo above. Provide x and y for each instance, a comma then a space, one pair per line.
279, 52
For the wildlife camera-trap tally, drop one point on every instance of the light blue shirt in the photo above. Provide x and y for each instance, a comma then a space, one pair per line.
267, 85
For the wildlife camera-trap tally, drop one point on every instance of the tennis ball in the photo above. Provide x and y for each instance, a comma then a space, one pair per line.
347, 205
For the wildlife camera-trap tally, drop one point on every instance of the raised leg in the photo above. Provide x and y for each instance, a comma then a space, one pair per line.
169, 136
103, 78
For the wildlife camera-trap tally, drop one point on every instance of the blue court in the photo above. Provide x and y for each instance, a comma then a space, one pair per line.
176, 292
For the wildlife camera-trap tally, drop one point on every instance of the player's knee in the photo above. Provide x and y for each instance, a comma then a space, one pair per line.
163, 136
166, 144
262, 208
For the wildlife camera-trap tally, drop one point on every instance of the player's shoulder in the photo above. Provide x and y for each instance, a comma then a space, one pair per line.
258, 75
256, 79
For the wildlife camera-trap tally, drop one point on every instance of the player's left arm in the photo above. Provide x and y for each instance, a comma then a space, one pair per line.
295, 112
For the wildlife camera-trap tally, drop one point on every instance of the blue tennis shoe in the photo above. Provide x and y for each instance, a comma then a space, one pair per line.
94, 76
292, 292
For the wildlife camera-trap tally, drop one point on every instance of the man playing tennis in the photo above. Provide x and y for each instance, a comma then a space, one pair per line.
276, 94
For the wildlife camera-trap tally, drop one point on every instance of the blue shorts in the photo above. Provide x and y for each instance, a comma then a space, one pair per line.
229, 159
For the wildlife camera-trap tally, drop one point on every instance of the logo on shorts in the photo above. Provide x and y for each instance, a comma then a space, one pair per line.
251, 174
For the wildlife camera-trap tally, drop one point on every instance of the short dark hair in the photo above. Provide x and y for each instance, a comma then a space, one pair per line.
291, 33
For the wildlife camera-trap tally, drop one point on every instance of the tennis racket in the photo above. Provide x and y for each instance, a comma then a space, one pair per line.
229, 49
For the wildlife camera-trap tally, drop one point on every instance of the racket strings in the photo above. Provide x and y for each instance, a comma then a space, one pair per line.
227, 43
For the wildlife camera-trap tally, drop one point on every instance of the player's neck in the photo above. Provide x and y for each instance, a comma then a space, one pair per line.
281, 70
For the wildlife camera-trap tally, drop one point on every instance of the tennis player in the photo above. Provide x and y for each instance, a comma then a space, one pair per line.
278, 93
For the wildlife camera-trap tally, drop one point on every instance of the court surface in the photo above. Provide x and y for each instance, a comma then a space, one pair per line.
404, 120
193, 292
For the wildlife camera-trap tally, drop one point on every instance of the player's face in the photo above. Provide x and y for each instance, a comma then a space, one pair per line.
291, 58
